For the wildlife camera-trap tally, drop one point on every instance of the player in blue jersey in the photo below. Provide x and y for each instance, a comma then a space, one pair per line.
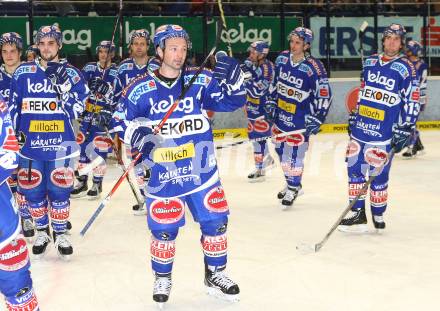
15, 278
261, 71
11, 45
414, 53
46, 96
299, 102
138, 64
93, 138
384, 119
183, 164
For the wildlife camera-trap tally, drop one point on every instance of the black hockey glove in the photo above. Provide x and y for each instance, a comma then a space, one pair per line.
270, 110
227, 72
57, 74
144, 141
401, 134
313, 125
103, 118
351, 122
99, 86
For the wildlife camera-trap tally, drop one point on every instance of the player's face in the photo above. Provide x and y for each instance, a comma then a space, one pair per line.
48, 48
253, 55
297, 46
139, 47
392, 45
30, 56
174, 54
10, 55
102, 56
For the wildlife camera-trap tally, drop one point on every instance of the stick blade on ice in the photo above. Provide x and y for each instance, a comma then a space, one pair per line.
306, 248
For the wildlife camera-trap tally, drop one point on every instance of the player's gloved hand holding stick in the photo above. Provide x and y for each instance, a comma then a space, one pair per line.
401, 135
313, 125
57, 74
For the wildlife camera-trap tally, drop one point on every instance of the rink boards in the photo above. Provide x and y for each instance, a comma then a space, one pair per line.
344, 96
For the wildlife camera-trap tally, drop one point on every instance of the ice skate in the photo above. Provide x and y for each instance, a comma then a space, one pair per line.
42, 239
63, 246
218, 284
80, 189
27, 226
410, 152
95, 192
289, 197
282, 193
379, 223
256, 176
162, 289
354, 222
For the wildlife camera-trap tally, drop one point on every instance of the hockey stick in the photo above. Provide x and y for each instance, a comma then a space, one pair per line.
156, 130
115, 27
307, 248
260, 139
122, 166
225, 27
361, 39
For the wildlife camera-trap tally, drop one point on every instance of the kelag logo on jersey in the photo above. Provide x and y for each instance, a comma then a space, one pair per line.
185, 105
38, 87
382, 80
291, 79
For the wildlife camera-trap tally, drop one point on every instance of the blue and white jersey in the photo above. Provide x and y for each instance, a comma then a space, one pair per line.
184, 161
299, 89
42, 117
389, 95
422, 72
128, 70
94, 70
257, 89
9, 220
5, 83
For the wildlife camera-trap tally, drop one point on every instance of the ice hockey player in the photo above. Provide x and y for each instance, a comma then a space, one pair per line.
384, 119
93, 138
257, 87
138, 64
11, 45
299, 102
414, 53
183, 164
15, 277
31, 53
46, 96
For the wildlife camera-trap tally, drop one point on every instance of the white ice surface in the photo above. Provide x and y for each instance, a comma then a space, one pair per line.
399, 270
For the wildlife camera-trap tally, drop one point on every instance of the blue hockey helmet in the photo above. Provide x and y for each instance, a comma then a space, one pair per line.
139, 33
414, 47
394, 29
52, 31
105, 44
32, 48
165, 32
261, 47
304, 33
12, 38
